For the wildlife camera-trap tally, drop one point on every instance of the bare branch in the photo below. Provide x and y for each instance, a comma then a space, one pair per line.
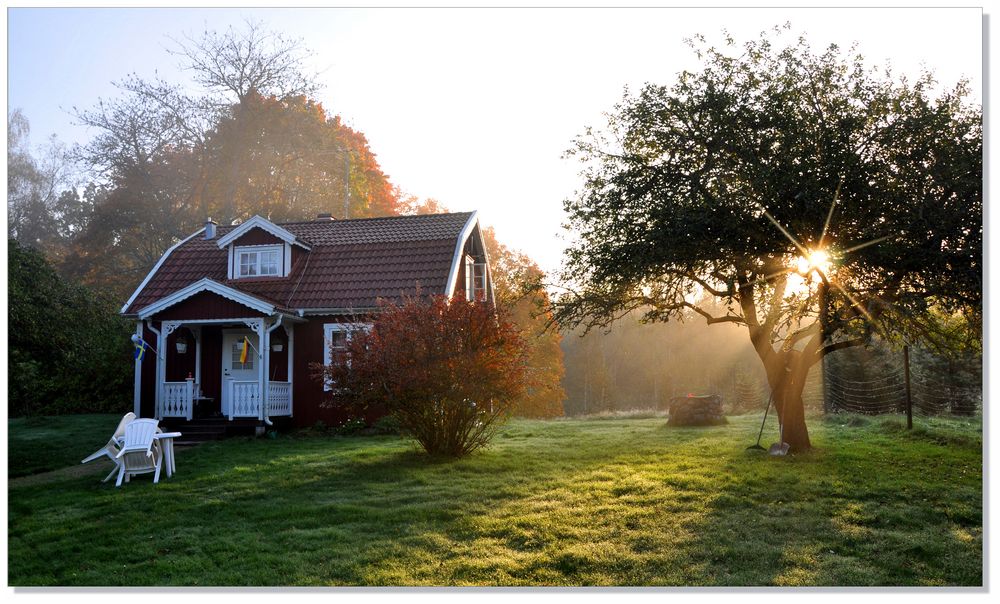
245, 62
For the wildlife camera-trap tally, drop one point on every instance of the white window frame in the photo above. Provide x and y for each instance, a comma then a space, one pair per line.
474, 283
470, 278
328, 330
479, 281
238, 251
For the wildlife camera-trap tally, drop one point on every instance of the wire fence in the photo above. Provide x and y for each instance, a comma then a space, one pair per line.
887, 394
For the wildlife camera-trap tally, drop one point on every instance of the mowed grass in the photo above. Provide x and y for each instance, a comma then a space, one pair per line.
566, 502
40, 444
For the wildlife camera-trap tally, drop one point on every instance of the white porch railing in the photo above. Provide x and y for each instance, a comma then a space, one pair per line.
279, 400
245, 399
177, 400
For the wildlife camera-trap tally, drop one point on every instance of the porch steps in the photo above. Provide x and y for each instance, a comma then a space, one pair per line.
206, 429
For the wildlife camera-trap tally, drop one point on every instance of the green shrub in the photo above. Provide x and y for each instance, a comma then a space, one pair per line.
69, 349
387, 424
352, 426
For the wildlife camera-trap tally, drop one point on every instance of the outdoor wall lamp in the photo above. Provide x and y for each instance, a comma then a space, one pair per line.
182, 345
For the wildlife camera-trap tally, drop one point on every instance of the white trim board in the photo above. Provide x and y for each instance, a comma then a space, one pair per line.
209, 286
328, 329
470, 225
264, 224
157, 266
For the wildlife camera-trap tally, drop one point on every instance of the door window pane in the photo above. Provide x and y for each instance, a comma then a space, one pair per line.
237, 351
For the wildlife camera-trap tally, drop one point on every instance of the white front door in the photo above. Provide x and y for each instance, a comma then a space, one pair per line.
232, 369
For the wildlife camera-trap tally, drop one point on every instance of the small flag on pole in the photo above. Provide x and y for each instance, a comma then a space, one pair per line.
141, 346
243, 353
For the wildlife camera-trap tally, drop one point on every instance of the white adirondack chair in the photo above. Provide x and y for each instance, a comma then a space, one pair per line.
138, 453
111, 449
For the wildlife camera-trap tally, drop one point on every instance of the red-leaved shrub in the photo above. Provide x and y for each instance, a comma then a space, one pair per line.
448, 370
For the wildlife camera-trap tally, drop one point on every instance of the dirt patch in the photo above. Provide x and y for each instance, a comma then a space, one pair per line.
61, 474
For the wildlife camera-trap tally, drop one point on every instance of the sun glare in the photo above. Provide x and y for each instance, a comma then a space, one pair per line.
816, 260
809, 268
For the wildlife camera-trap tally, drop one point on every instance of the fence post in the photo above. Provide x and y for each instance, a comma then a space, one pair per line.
909, 399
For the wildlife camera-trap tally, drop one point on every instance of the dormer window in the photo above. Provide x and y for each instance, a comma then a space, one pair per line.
260, 248
259, 261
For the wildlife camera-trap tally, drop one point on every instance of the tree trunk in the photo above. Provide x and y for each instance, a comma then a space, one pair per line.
791, 414
786, 374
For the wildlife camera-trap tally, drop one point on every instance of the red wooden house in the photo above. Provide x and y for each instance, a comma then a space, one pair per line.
294, 291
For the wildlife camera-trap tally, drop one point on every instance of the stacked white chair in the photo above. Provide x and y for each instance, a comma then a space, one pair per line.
111, 449
138, 453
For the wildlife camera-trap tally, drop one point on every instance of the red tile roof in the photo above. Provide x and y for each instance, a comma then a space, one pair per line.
352, 263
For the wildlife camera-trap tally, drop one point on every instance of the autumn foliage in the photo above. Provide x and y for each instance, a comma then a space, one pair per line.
448, 370
517, 282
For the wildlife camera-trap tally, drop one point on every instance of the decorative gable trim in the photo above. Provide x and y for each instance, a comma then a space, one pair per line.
157, 266
264, 224
456, 261
209, 286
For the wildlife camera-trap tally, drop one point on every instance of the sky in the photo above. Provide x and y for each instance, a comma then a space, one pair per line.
472, 107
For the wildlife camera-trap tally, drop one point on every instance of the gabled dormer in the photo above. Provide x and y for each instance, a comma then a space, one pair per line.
259, 248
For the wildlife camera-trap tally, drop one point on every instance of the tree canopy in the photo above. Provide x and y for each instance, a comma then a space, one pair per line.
516, 281
814, 199
244, 137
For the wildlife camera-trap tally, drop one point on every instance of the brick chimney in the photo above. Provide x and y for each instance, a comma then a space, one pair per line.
210, 228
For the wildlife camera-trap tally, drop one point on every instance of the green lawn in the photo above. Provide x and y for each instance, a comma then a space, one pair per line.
568, 502
39, 444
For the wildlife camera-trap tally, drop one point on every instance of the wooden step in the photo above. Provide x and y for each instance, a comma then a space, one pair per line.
205, 429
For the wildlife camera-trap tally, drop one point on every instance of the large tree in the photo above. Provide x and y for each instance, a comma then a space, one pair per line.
287, 159
816, 200
39, 185
242, 138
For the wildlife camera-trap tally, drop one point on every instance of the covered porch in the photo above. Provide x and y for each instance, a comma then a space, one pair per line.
202, 372
199, 369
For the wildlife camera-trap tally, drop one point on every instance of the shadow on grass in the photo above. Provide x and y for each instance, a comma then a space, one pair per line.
869, 511
614, 502
291, 511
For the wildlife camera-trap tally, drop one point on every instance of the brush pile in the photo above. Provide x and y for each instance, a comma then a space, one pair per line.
696, 411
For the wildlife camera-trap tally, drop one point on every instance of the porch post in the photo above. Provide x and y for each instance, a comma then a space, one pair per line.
290, 331
166, 328
197, 355
161, 363
137, 393
262, 340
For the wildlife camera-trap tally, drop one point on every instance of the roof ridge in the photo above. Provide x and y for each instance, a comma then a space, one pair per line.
343, 220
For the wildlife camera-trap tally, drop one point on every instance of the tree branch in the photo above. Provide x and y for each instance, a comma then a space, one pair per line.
825, 350
710, 319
